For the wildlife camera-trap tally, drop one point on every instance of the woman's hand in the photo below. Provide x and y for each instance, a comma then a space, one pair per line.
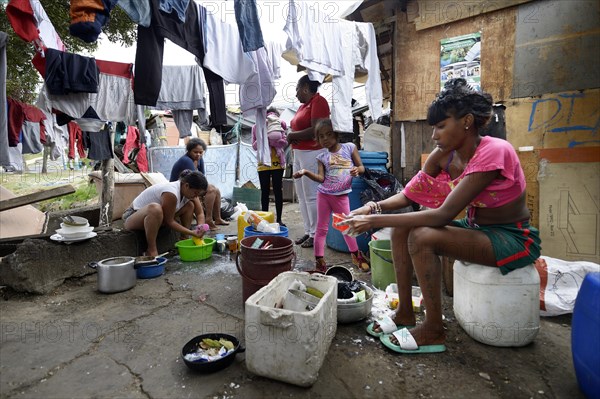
358, 224
363, 210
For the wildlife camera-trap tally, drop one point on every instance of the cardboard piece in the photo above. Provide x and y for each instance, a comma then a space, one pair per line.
570, 210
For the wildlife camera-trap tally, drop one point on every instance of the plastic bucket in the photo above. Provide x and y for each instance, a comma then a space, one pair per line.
382, 264
250, 232
241, 222
585, 336
259, 266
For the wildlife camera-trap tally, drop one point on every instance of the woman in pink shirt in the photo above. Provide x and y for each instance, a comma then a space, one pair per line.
464, 170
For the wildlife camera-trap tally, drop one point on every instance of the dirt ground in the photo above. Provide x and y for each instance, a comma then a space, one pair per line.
78, 343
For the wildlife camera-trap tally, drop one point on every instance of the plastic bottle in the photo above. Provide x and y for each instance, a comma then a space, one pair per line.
254, 220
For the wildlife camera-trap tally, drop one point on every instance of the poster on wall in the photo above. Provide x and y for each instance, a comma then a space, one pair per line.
460, 57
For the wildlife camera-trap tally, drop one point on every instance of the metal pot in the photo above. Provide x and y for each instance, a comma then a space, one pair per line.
115, 274
355, 311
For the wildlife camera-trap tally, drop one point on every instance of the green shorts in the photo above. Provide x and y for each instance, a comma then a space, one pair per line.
515, 245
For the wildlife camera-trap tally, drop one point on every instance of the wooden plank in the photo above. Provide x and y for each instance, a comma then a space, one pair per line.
435, 13
417, 60
571, 155
36, 197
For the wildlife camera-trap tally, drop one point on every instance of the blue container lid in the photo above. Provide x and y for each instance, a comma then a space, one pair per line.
373, 154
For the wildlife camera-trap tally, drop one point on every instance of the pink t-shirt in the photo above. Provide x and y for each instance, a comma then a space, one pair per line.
491, 154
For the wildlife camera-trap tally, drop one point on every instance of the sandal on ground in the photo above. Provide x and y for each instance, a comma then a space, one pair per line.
406, 343
320, 265
302, 239
309, 243
371, 327
361, 262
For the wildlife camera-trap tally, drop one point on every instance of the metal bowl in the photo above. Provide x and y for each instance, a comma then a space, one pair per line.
352, 312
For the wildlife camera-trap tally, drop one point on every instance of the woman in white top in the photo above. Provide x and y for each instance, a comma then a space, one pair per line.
161, 204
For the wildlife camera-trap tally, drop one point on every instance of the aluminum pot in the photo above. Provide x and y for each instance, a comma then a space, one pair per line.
115, 274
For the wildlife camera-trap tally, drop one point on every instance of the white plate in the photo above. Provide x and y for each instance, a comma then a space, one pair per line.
68, 234
59, 238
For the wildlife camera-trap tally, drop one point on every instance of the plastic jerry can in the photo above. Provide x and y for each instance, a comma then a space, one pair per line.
585, 336
494, 309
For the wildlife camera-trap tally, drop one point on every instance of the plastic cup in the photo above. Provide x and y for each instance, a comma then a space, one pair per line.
232, 244
219, 237
337, 218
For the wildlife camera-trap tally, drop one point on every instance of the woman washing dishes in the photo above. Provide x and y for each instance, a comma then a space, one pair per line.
464, 170
162, 204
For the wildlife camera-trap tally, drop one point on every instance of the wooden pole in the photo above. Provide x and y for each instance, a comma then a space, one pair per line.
108, 188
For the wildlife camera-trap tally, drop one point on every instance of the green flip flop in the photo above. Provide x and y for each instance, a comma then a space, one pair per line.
410, 344
376, 334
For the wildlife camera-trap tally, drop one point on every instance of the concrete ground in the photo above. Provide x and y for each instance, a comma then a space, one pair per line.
78, 343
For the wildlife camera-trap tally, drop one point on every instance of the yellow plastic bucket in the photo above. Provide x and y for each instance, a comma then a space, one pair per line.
268, 216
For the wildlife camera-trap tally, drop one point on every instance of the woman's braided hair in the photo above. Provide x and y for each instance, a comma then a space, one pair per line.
458, 99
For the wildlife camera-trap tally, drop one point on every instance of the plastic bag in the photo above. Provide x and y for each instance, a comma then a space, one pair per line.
215, 137
227, 208
559, 283
381, 185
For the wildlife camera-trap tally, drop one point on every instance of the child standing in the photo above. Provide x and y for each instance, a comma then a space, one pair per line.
337, 166
267, 175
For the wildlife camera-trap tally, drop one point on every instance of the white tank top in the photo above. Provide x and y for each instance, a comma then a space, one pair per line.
153, 195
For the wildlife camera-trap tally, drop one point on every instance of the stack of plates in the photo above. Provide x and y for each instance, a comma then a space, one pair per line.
77, 229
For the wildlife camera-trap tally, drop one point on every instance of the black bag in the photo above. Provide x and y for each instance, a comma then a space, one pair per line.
381, 185
227, 209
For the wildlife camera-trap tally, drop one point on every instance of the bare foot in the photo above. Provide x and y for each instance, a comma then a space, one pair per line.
221, 222
425, 335
212, 226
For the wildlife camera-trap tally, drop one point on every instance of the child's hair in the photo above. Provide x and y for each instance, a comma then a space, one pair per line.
273, 110
459, 99
325, 123
313, 85
194, 178
195, 142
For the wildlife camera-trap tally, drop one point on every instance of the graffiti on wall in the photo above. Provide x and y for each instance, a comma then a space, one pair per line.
567, 113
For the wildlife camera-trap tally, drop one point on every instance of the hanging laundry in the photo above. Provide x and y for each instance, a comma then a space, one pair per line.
75, 140
182, 91
30, 138
137, 10
98, 144
224, 53
70, 73
179, 6
88, 17
246, 17
134, 151
314, 41
31, 23
255, 96
113, 102
149, 57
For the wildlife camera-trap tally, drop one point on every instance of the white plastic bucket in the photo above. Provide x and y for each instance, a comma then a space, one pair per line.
494, 309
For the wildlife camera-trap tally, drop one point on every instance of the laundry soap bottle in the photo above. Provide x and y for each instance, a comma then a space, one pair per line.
201, 228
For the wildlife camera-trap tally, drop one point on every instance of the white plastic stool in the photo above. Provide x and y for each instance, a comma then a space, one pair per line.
494, 309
